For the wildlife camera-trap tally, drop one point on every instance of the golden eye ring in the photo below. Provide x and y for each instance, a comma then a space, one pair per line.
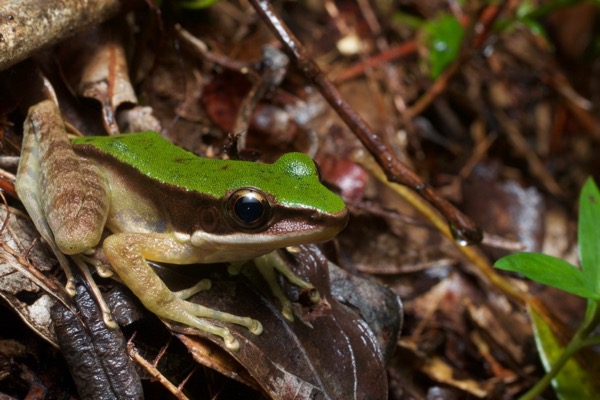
248, 208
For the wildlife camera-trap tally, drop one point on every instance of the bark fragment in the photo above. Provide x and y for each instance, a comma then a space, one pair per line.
27, 26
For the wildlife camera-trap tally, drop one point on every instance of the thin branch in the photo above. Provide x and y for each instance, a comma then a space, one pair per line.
153, 371
463, 228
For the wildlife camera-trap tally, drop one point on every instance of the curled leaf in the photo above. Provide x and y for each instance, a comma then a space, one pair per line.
573, 381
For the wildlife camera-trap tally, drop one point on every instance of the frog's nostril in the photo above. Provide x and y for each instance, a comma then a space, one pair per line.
317, 216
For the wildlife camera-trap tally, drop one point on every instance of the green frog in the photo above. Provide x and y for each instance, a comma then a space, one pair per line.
164, 204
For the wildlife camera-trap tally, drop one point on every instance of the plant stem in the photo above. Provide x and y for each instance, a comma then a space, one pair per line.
592, 341
577, 343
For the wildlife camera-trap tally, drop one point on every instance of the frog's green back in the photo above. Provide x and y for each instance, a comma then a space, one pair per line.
293, 179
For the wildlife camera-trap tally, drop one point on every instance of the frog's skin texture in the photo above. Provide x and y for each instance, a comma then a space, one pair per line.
164, 204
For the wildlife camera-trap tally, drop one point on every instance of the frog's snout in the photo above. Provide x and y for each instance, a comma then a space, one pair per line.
333, 223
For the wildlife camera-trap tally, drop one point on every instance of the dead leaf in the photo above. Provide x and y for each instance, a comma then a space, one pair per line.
21, 239
327, 352
95, 64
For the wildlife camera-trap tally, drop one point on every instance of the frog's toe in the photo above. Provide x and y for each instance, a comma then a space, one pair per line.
231, 343
314, 296
204, 284
252, 325
256, 327
287, 310
199, 311
235, 268
104, 272
70, 288
109, 321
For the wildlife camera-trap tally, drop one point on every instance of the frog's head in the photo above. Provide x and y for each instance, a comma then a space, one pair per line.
267, 207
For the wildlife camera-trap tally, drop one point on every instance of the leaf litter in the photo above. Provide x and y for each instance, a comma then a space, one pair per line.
504, 128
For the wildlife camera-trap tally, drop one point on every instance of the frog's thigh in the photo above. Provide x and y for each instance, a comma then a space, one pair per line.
73, 192
27, 186
127, 253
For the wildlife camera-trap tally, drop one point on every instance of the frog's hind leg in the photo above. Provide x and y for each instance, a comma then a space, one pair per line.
73, 191
29, 190
127, 253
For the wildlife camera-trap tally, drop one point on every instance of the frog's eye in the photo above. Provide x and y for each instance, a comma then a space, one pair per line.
248, 208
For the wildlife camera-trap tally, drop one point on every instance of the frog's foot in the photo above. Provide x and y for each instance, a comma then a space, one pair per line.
268, 272
204, 284
107, 316
102, 269
267, 265
127, 253
70, 287
190, 314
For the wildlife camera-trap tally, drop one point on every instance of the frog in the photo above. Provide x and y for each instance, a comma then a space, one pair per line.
160, 203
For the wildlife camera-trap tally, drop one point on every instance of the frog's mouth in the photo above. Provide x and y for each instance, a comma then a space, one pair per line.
314, 228
288, 231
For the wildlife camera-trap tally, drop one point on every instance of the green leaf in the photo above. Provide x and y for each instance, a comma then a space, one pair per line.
443, 37
550, 271
573, 381
589, 234
534, 27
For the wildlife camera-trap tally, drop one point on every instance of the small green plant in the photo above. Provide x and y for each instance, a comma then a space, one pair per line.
441, 36
563, 372
530, 14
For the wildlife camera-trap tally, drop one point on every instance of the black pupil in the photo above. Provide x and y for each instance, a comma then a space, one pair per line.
249, 209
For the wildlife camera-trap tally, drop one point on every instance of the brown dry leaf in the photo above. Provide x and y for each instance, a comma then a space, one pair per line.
214, 357
95, 64
486, 320
222, 98
138, 119
573, 28
95, 353
442, 372
505, 208
329, 351
21, 239
446, 314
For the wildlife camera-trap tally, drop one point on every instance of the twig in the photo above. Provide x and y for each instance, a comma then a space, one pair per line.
580, 107
274, 64
463, 228
393, 53
437, 88
153, 371
473, 254
536, 166
199, 48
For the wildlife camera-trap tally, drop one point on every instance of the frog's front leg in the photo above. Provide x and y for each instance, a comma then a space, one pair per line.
128, 252
271, 262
